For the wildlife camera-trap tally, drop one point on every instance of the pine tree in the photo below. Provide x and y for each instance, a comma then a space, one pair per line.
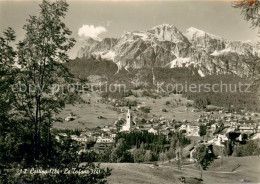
250, 11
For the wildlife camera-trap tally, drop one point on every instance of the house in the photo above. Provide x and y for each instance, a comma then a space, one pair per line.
222, 138
57, 137
88, 133
100, 147
233, 125
164, 132
213, 127
247, 128
153, 131
106, 129
70, 117
82, 139
194, 110
254, 114
230, 129
102, 143
219, 140
193, 130
183, 127
113, 136
101, 139
258, 129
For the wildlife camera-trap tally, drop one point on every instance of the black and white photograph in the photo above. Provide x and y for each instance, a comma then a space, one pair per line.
129, 91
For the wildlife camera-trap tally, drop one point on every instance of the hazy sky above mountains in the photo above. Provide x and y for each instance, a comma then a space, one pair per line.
111, 19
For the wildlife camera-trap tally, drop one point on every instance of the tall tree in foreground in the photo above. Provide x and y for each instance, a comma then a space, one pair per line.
7, 60
250, 9
178, 142
35, 97
40, 56
203, 157
7, 74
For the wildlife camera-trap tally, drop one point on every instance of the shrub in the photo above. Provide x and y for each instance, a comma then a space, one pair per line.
250, 149
145, 109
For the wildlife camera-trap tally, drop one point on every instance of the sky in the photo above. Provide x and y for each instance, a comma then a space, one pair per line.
110, 18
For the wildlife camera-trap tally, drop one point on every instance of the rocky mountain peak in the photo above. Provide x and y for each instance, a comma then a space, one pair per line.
165, 46
205, 41
167, 32
193, 33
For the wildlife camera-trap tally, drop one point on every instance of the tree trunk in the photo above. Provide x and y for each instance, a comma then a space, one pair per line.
36, 131
201, 172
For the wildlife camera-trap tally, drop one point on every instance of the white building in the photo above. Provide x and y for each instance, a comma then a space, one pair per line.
153, 131
79, 138
183, 127
219, 140
106, 129
193, 130
70, 118
247, 128
101, 139
113, 136
213, 127
57, 137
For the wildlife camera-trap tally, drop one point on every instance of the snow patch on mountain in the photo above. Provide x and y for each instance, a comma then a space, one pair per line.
110, 55
142, 35
222, 52
201, 73
180, 62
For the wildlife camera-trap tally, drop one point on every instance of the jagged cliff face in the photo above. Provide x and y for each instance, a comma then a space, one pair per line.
93, 46
204, 41
166, 46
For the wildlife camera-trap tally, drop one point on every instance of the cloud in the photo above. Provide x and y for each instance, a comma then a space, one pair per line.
91, 31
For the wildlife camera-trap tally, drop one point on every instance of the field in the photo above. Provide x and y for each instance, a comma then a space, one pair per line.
129, 173
175, 110
87, 114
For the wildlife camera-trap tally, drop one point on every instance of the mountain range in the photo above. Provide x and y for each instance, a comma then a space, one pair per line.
165, 46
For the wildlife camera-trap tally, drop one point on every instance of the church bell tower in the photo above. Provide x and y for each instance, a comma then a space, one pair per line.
129, 119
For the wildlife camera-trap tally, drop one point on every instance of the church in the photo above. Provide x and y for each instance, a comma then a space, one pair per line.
127, 127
